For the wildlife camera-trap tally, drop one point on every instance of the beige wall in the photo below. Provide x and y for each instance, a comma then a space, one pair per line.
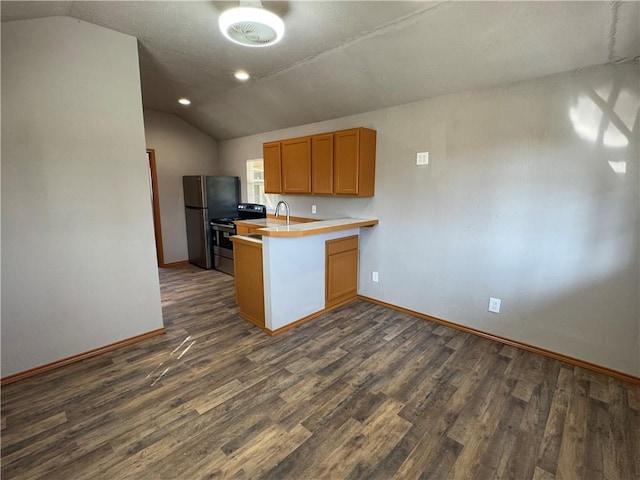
78, 261
180, 150
519, 202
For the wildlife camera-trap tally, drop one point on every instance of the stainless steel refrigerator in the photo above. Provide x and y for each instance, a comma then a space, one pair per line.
207, 198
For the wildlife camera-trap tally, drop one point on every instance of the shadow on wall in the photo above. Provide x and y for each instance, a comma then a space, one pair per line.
607, 115
596, 246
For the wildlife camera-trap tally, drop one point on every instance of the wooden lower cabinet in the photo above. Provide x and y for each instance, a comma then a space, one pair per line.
247, 259
341, 270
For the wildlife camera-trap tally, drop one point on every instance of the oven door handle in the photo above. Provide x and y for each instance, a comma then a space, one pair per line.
223, 228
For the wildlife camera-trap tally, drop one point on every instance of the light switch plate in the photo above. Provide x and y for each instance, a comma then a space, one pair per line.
422, 158
313, 209
494, 305
374, 276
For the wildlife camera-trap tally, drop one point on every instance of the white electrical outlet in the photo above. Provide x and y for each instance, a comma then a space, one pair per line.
374, 276
494, 305
313, 209
422, 158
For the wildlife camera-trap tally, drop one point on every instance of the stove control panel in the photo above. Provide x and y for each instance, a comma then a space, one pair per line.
252, 207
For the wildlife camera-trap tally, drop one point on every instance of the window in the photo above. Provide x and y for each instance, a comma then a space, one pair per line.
255, 184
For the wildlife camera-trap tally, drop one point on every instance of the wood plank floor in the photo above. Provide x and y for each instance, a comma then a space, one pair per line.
360, 393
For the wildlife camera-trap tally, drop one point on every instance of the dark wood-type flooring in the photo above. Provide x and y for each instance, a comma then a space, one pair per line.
361, 393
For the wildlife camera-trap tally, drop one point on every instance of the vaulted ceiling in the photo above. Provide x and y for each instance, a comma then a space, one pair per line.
340, 58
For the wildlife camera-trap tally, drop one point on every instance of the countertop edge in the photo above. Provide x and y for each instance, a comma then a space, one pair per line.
254, 242
249, 222
315, 231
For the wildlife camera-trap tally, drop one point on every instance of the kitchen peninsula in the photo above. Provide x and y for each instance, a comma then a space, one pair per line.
288, 274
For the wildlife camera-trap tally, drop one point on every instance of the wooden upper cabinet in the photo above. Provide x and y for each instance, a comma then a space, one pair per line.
334, 163
296, 165
354, 162
322, 163
272, 167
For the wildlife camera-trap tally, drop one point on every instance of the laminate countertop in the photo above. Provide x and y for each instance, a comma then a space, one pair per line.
277, 228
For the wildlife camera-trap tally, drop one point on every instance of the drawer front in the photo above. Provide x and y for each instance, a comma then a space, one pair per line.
342, 245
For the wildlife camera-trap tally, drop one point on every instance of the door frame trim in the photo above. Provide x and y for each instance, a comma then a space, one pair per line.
155, 199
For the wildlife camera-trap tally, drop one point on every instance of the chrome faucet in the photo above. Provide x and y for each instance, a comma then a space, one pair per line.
286, 205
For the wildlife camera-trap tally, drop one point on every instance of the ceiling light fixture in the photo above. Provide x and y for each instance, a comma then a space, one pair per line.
251, 26
184, 101
242, 75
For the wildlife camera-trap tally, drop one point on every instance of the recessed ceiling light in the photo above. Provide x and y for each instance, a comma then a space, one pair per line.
242, 75
251, 27
184, 101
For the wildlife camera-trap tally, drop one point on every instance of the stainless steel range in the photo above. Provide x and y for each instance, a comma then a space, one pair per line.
223, 228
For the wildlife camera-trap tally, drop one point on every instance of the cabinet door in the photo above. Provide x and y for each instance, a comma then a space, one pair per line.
272, 167
346, 162
249, 282
322, 163
341, 282
342, 277
296, 165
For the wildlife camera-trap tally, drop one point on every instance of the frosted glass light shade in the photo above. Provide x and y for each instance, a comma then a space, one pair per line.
251, 27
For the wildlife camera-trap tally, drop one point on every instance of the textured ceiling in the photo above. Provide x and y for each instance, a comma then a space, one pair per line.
340, 58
